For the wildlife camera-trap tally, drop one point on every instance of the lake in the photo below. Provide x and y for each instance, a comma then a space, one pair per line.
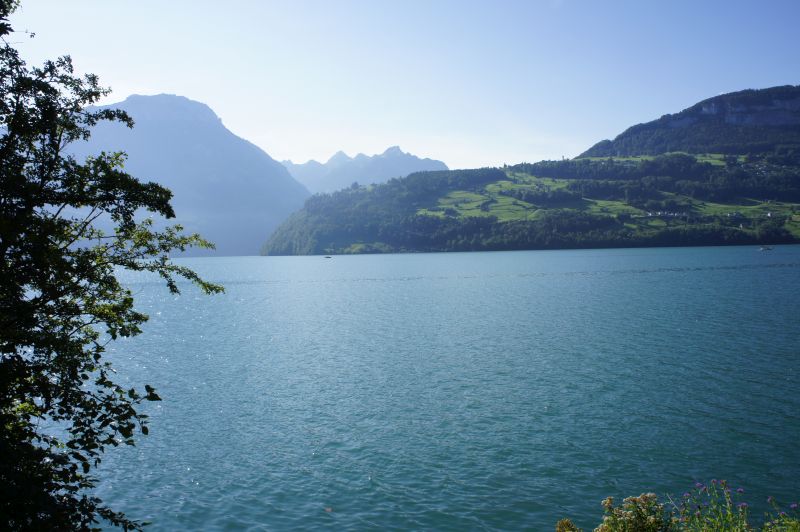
460, 391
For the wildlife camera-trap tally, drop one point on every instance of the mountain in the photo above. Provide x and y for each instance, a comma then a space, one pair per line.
748, 193
748, 121
342, 171
225, 188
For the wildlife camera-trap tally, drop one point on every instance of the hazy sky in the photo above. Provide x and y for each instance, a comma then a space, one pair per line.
473, 83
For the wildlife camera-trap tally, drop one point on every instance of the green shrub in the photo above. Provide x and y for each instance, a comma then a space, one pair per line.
707, 508
637, 514
713, 507
565, 525
782, 521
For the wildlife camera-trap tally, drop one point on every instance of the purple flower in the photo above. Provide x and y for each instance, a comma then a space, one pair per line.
739, 490
793, 506
782, 514
686, 496
713, 481
742, 505
698, 485
770, 499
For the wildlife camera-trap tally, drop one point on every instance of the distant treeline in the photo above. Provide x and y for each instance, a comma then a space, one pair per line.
638, 181
714, 137
557, 229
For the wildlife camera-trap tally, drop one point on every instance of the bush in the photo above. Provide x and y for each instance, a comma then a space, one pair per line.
707, 508
637, 514
713, 507
565, 525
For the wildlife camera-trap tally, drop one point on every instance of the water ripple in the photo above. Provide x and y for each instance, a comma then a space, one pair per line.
482, 391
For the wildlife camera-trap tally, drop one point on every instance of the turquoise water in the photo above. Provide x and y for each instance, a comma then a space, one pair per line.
461, 391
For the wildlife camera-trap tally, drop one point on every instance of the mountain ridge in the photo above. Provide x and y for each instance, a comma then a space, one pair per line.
225, 188
341, 170
741, 122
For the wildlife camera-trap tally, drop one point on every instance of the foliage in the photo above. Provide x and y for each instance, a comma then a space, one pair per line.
637, 514
681, 165
713, 507
706, 508
783, 521
717, 506
61, 302
566, 525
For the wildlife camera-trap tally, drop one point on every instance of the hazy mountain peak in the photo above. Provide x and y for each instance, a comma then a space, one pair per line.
341, 170
311, 162
167, 108
393, 150
338, 157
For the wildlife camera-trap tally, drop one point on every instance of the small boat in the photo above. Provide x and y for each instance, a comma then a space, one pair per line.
327, 256
765, 248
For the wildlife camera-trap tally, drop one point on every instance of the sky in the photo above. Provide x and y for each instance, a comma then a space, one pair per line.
472, 83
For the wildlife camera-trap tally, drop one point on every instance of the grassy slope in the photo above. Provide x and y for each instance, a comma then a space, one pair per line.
490, 202
711, 158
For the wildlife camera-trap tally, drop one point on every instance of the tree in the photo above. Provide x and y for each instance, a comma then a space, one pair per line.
61, 302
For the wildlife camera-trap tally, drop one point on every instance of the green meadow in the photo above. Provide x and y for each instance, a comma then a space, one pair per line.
494, 199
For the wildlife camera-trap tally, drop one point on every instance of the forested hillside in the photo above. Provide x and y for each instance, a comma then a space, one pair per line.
745, 122
668, 200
